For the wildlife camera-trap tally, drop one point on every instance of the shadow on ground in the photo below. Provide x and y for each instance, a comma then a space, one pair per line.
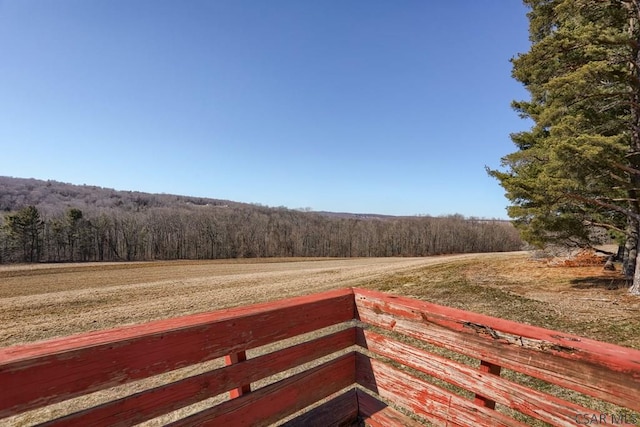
608, 283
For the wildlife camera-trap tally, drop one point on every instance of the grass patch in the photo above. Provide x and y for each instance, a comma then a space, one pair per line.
450, 285
528, 291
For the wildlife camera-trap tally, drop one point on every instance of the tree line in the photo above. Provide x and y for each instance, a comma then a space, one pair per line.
578, 167
192, 231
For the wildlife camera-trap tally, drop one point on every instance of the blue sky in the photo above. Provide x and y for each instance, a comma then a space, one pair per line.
389, 107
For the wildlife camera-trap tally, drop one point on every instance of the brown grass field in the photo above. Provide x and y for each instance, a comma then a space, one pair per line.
49, 300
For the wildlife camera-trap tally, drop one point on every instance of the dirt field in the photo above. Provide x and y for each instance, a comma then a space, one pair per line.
44, 301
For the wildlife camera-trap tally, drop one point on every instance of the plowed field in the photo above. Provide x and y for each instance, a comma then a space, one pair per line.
47, 300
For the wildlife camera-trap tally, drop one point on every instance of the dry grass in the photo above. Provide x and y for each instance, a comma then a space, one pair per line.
587, 301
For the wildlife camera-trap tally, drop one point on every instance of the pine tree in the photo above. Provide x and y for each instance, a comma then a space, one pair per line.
24, 229
579, 165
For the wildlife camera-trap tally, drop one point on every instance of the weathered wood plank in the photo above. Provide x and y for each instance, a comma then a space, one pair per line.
339, 411
533, 403
276, 401
424, 399
154, 402
481, 399
39, 374
375, 413
601, 370
231, 359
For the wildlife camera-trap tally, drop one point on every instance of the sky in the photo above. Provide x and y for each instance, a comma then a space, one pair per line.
362, 106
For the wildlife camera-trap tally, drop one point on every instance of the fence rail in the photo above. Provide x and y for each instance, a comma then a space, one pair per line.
391, 361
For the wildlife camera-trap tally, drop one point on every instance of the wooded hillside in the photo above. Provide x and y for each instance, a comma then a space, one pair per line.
48, 221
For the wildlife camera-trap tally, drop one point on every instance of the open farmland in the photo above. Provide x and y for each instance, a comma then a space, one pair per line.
44, 301
47, 300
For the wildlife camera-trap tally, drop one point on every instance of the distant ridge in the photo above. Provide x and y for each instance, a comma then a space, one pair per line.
16, 193
55, 196
51, 195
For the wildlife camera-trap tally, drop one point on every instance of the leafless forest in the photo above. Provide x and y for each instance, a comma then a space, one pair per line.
48, 221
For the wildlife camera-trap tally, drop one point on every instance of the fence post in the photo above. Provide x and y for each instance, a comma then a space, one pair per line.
230, 360
491, 369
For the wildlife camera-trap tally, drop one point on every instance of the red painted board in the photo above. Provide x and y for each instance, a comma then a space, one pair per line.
378, 414
39, 374
604, 371
276, 401
151, 403
231, 359
480, 397
550, 409
429, 401
613, 357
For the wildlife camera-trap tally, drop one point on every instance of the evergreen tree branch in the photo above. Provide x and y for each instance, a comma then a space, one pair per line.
605, 225
627, 168
599, 202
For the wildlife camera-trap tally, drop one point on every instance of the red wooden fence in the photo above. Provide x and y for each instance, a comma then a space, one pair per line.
400, 362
